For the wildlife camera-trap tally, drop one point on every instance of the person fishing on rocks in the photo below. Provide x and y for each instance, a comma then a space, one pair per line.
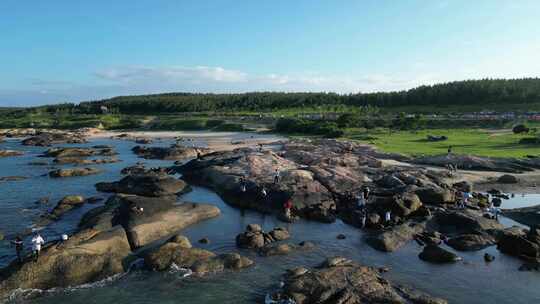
37, 242
18, 242
363, 198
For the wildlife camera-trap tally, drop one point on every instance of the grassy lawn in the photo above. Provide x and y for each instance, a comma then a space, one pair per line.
497, 143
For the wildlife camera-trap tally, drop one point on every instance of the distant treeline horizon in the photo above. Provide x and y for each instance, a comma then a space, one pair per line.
499, 93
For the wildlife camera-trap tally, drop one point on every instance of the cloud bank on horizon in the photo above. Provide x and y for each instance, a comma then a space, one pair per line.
70, 52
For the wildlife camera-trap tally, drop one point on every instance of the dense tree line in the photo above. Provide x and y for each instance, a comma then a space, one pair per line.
470, 92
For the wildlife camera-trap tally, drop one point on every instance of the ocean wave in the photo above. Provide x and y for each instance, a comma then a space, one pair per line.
181, 271
30, 293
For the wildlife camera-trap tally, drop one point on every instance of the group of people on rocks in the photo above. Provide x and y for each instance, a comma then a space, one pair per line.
287, 205
362, 200
37, 242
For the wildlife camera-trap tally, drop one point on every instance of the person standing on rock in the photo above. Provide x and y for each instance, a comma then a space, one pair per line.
242, 184
276, 176
363, 199
387, 217
37, 242
18, 242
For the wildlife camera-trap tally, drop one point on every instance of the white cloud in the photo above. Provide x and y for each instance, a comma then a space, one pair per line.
133, 80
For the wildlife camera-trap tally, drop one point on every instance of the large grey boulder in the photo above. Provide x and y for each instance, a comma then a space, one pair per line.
339, 280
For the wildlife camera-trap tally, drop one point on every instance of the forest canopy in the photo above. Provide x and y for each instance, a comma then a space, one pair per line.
505, 92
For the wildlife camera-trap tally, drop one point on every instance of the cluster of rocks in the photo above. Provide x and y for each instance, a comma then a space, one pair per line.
339, 280
522, 244
49, 138
255, 238
322, 179
179, 251
80, 155
141, 169
108, 236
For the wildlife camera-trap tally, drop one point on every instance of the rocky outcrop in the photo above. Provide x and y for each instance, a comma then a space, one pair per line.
8, 153
145, 185
88, 256
396, 237
255, 238
529, 216
147, 219
60, 173
436, 254
223, 171
173, 152
339, 280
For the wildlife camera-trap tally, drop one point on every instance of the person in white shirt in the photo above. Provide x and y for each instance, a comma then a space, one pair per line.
37, 242
387, 217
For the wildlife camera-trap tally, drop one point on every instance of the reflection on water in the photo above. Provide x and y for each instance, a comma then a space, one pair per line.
472, 281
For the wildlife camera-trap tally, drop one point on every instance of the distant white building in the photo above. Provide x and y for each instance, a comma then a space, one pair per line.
104, 109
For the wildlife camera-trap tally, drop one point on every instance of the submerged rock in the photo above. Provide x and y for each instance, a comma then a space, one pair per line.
436, 254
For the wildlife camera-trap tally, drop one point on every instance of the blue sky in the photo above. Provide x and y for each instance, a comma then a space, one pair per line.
70, 51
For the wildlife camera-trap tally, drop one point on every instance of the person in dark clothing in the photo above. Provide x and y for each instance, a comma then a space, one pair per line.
449, 150
18, 242
243, 187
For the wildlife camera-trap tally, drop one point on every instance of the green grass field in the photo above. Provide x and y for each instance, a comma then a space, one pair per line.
481, 142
